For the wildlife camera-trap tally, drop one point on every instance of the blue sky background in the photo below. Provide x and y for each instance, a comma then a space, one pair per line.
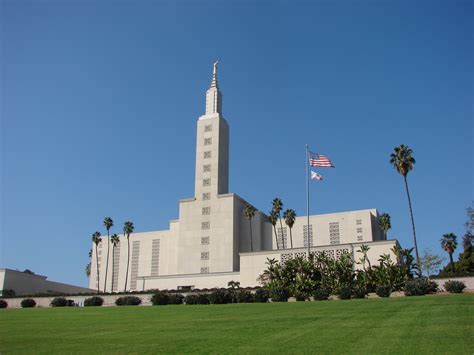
100, 101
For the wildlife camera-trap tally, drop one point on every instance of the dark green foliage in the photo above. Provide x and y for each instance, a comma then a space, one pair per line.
244, 296
301, 296
202, 298
359, 292
176, 298
321, 294
419, 287
454, 286
94, 301
191, 299
383, 290
28, 303
59, 302
128, 301
344, 293
160, 298
220, 296
279, 294
3, 304
8, 293
261, 295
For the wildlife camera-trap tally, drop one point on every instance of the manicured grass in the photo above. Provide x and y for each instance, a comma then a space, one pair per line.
429, 324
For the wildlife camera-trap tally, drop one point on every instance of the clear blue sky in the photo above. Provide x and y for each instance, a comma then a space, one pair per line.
100, 101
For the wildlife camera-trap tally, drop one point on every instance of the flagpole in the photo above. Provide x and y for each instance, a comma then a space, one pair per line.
307, 199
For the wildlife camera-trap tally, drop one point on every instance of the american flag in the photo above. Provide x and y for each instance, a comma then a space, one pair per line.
319, 160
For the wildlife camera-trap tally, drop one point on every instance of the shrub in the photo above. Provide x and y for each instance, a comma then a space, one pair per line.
261, 295
176, 298
191, 299
345, 293
28, 303
244, 296
359, 292
454, 286
160, 298
128, 301
301, 296
420, 286
202, 298
321, 294
279, 294
3, 304
8, 293
383, 290
58, 302
94, 301
220, 297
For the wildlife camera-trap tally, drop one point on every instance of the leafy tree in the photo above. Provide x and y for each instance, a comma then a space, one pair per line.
430, 263
249, 212
273, 217
384, 224
277, 205
233, 284
127, 230
96, 239
290, 216
449, 244
114, 239
403, 161
108, 223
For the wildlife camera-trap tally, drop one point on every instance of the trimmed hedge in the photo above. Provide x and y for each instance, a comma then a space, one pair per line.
28, 303
219, 296
420, 287
176, 298
128, 301
261, 295
454, 286
3, 304
94, 301
345, 293
383, 290
279, 294
160, 299
244, 296
321, 294
59, 302
359, 292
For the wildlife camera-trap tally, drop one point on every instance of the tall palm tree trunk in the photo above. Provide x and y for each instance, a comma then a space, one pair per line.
128, 263
251, 240
113, 268
276, 237
451, 261
282, 239
413, 226
107, 262
97, 266
291, 239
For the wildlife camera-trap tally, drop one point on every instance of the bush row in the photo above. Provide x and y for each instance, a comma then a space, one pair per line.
217, 296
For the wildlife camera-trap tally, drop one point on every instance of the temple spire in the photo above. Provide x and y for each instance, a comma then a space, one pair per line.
214, 76
213, 95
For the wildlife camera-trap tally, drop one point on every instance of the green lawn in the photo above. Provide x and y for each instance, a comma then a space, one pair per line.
429, 324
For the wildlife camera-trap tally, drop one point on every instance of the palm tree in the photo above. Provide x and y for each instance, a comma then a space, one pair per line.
114, 239
384, 224
277, 207
273, 220
249, 212
96, 239
290, 216
127, 230
88, 269
403, 161
449, 244
108, 223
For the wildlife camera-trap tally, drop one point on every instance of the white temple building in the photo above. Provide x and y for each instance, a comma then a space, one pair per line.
209, 244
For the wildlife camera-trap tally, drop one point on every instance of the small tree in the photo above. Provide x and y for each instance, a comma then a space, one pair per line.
384, 223
431, 263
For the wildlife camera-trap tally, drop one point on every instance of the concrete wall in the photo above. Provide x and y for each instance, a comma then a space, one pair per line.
199, 281
28, 284
468, 281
